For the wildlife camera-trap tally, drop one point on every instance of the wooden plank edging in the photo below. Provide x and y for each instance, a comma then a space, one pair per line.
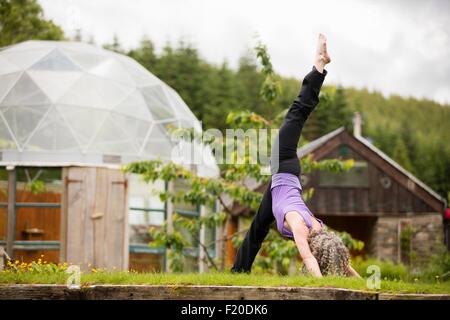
196, 292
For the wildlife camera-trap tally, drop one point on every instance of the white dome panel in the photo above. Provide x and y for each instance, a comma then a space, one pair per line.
93, 91
6, 139
157, 102
7, 81
24, 92
23, 120
84, 121
24, 59
55, 61
7, 66
52, 134
54, 84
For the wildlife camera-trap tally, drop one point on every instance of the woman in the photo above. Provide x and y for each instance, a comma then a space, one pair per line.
322, 251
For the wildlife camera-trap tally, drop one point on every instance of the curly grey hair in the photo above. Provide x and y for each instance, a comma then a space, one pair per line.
329, 250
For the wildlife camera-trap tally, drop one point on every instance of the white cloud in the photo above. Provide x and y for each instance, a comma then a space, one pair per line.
393, 46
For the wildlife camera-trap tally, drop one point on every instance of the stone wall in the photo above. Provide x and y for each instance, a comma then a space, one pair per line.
426, 236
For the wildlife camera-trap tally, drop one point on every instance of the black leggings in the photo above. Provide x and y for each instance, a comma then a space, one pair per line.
283, 160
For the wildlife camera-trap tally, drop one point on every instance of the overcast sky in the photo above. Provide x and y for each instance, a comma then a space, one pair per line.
399, 46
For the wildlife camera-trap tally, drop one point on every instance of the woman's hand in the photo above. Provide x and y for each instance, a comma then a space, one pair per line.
352, 272
322, 57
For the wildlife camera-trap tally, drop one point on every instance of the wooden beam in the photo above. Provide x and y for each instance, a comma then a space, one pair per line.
169, 220
201, 251
11, 229
63, 213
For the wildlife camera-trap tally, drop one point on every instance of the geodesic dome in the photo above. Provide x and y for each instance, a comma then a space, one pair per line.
77, 103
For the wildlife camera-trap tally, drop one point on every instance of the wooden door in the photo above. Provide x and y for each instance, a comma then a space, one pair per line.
95, 224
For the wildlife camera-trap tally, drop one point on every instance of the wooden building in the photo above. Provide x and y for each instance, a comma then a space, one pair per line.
377, 201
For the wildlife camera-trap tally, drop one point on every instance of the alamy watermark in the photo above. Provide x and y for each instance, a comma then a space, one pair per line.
74, 279
235, 146
374, 279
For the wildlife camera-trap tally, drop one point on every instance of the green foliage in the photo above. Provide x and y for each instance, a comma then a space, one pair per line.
221, 279
276, 254
406, 235
401, 154
174, 242
350, 242
22, 20
331, 165
389, 270
438, 266
37, 187
332, 112
271, 88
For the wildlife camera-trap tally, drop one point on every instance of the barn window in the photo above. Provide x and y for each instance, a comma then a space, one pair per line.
343, 150
357, 176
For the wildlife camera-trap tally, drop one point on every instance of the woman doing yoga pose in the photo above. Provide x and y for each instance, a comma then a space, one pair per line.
322, 251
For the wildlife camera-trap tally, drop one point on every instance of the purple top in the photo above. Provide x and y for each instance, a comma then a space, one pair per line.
286, 197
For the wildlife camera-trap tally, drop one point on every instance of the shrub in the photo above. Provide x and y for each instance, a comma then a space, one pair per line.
438, 267
389, 269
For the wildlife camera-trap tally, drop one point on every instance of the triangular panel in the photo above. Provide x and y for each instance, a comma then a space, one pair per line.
182, 111
112, 139
135, 129
25, 59
135, 106
24, 92
6, 140
140, 75
54, 84
95, 92
55, 61
52, 134
23, 119
112, 69
7, 66
158, 143
86, 61
157, 102
7, 81
84, 121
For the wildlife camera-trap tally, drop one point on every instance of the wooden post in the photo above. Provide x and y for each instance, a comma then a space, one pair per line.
230, 250
169, 219
2, 258
11, 229
218, 238
201, 252
63, 213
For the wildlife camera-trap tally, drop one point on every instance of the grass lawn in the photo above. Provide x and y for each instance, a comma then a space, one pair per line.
132, 278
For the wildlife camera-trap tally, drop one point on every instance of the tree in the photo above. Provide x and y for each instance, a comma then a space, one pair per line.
401, 154
145, 54
331, 113
114, 45
22, 20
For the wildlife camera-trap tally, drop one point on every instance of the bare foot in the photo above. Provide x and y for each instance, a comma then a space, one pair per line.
322, 58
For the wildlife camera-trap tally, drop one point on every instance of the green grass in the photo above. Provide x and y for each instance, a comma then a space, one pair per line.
121, 278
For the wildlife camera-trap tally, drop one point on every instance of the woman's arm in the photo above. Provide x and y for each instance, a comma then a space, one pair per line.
352, 272
301, 232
